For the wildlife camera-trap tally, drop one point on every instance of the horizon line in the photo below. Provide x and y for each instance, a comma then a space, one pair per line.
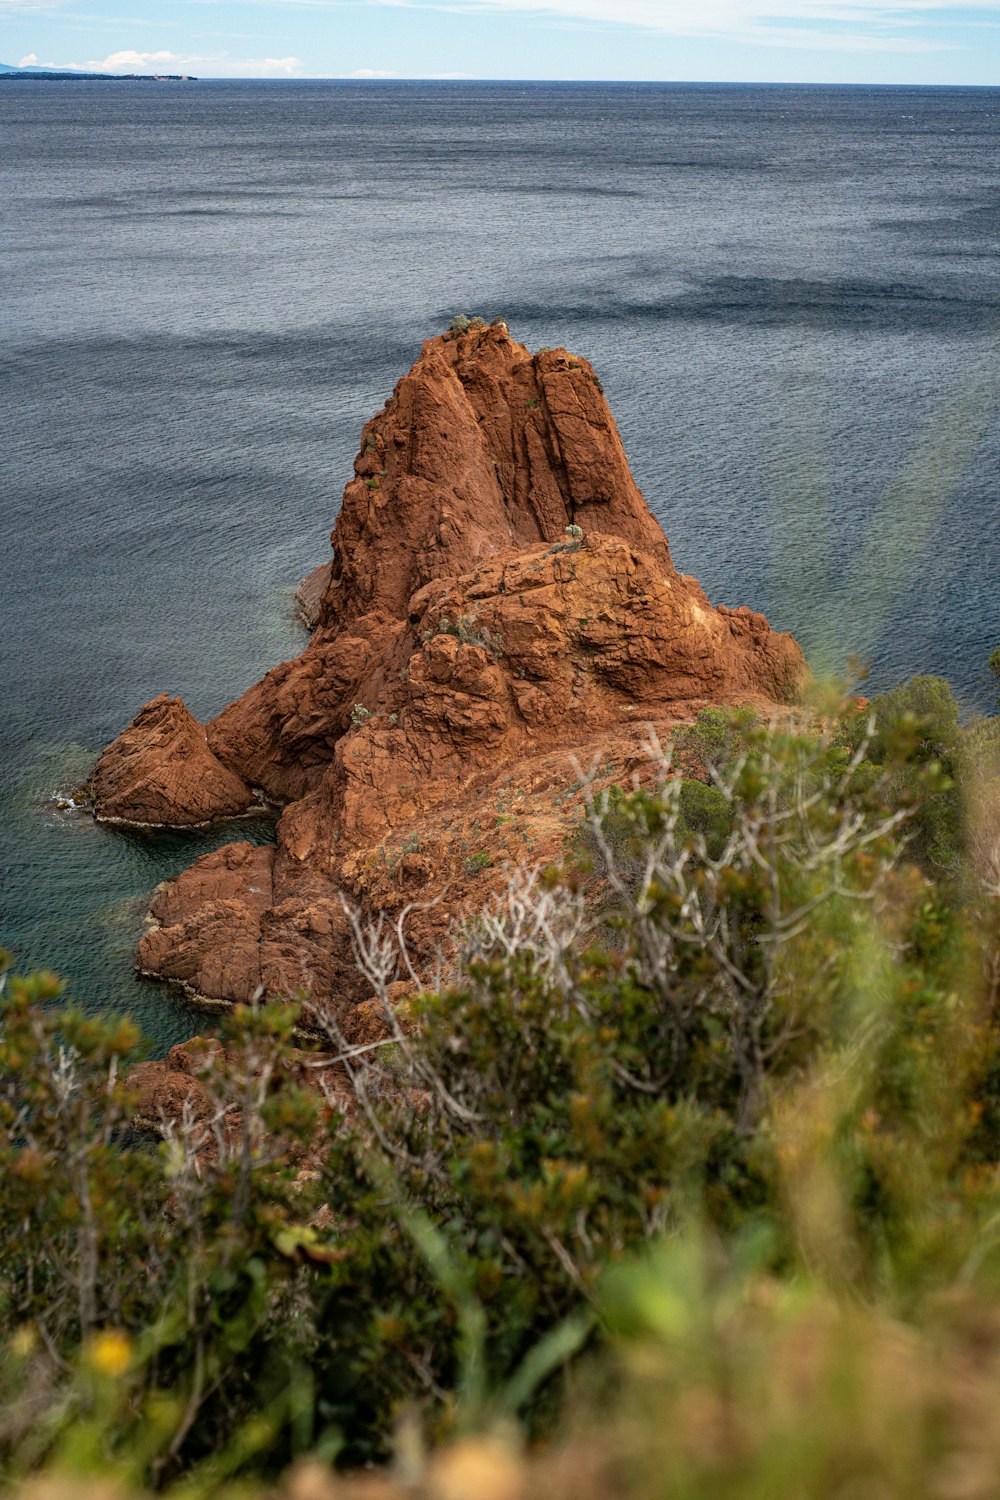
347, 78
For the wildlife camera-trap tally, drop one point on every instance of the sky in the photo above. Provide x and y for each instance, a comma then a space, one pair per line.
820, 41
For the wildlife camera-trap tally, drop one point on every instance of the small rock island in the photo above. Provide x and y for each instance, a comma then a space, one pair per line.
500, 604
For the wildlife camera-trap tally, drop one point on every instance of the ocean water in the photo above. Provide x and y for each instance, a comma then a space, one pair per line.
790, 294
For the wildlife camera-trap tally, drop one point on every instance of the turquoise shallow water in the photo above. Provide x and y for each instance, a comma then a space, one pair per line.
91, 888
789, 293
76, 893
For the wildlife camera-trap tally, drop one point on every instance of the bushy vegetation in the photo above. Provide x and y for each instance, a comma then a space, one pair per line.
470, 632
698, 1149
462, 323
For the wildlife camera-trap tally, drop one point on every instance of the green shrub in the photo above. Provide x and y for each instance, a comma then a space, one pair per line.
469, 631
738, 1081
922, 716
600, 1072
463, 324
179, 1263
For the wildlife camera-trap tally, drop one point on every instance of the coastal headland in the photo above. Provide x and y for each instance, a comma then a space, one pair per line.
10, 74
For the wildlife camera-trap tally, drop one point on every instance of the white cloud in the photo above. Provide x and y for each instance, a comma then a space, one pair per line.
28, 62
874, 25
888, 26
204, 64
669, 15
28, 7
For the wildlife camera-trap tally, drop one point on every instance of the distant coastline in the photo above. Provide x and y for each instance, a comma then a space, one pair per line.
65, 75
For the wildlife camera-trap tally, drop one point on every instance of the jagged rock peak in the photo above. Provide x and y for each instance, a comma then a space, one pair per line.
482, 446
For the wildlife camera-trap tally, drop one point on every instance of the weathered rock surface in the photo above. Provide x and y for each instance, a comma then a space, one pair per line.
480, 449
466, 648
310, 594
160, 771
163, 1088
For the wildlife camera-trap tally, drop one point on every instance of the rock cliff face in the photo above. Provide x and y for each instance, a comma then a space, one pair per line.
466, 647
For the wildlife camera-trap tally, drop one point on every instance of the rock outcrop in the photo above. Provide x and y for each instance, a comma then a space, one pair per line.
310, 594
161, 773
499, 600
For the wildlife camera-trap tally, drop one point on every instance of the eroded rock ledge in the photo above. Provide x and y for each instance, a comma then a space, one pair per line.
466, 648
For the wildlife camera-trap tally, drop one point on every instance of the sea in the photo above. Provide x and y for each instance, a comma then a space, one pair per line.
790, 294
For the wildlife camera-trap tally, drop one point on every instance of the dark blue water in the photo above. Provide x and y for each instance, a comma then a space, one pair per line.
790, 294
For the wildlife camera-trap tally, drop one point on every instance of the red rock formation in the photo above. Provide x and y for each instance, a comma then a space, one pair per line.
163, 1088
160, 771
481, 448
466, 646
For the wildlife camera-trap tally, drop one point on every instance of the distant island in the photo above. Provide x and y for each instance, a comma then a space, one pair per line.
61, 75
